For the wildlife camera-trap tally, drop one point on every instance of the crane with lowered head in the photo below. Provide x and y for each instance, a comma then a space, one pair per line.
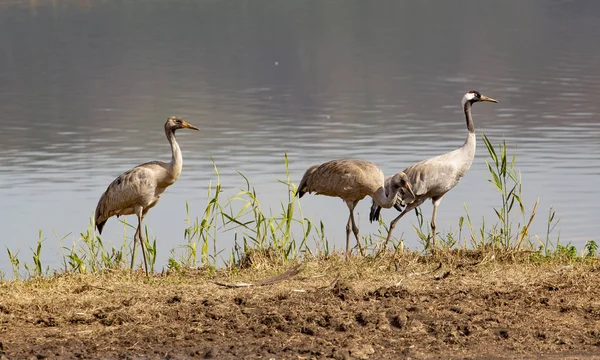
352, 180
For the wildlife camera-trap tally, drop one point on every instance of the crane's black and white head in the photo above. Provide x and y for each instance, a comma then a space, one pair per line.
474, 96
173, 123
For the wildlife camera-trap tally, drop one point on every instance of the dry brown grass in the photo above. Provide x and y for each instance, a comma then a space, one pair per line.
498, 305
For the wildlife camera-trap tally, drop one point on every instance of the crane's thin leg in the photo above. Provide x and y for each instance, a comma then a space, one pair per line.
135, 236
436, 202
355, 228
348, 230
351, 227
407, 209
142, 243
392, 226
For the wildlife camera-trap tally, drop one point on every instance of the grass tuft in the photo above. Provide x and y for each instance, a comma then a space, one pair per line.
264, 238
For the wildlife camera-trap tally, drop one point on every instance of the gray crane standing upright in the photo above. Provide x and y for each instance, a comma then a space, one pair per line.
137, 190
434, 177
352, 180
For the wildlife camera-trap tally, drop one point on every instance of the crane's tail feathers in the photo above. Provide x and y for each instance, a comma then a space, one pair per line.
100, 226
375, 210
303, 188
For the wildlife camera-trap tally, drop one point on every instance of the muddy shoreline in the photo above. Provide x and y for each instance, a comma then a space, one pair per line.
374, 310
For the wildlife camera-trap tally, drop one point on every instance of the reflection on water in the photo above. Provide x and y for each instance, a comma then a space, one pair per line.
87, 86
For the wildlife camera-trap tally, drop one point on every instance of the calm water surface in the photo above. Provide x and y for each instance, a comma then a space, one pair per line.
85, 88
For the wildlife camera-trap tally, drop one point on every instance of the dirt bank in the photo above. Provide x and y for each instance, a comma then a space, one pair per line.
377, 309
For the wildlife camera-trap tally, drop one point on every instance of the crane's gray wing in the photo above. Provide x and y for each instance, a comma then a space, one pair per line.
433, 177
135, 187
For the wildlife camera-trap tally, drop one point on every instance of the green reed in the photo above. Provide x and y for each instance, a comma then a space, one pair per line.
151, 250
267, 230
590, 249
243, 214
203, 230
507, 180
88, 254
15, 263
504, 233
283, 233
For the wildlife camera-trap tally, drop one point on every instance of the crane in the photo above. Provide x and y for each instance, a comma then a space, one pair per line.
434, 177
352, 180
137, 190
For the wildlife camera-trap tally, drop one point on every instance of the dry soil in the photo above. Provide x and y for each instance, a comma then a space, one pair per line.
405, 308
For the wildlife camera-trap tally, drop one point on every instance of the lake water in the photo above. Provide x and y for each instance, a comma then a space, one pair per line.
86, 86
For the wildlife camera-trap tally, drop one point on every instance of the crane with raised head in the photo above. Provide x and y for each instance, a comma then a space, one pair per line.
434, 177
137, 190
352, 180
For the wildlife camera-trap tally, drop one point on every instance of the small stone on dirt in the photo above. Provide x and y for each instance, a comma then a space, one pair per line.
210, 354
307, 330
397, 319
174, 299
456, 309
362, 352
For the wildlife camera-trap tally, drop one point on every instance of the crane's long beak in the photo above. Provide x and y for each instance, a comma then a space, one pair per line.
188, 125
485, 98
409, 189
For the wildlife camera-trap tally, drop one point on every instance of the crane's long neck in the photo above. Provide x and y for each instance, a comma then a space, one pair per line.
470, 124
176, 158
470, 142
